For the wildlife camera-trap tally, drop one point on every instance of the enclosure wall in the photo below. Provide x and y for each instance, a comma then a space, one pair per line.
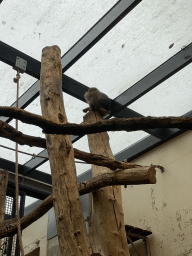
165, 208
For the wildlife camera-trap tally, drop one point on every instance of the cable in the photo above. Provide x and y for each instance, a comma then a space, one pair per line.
16, 80
34, 155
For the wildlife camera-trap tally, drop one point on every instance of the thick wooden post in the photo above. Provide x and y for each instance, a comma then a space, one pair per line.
106, 227
71, 229
3, 188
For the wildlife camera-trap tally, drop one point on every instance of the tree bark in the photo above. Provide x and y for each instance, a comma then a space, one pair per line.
106, 226
141, 175
71, 229
113, 124
9, 227
3, 189
9, 132
136, 176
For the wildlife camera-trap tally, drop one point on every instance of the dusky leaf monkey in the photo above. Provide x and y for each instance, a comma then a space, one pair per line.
97, 101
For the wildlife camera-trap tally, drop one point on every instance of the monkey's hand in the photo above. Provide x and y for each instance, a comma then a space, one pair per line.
85, 110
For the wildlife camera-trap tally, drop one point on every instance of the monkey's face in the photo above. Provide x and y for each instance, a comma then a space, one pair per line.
90, 93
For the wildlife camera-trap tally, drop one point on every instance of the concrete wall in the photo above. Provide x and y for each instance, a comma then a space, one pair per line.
165, 208
35, 236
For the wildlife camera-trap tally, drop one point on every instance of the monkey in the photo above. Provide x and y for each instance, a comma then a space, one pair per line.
97, 101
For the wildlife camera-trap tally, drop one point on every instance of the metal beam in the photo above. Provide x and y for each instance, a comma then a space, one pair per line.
130, 153
145, 145
102, 27
30, 191
157, 76
35, 175
76, 89
175, 63
8, 54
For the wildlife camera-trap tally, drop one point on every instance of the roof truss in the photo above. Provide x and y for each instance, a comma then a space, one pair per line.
157, 137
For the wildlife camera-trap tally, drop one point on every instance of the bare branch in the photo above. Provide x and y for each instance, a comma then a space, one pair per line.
136, 176
9, 227
114, 124
7, 131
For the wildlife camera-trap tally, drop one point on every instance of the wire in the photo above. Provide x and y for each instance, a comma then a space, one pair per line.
34, 155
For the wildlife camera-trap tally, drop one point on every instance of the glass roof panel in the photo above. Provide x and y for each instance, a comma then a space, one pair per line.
148, 36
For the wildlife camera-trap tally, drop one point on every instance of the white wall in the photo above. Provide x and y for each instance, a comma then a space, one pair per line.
165, 208
35, 236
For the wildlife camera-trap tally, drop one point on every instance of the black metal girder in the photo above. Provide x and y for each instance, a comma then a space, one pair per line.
30, 191
145, 145
173, 65
130, 153
102, 27
36, 175
69, 86
139, 148
157, 76
76, 89
8, 54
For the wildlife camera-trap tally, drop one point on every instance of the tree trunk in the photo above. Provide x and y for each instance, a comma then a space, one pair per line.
3, 188
106, 226
71, 229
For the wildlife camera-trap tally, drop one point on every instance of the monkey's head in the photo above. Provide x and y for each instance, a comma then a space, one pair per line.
91, 93
97, 101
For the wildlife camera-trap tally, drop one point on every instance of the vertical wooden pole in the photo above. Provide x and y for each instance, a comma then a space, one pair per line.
107, 230
3, 188
71, 229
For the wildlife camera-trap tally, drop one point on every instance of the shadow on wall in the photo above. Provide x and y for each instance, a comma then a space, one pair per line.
35, 252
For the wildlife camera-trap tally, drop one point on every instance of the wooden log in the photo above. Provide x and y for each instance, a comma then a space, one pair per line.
9, 227
140, 175
106, 223
71, 229
113, 124
136, 176
3, 188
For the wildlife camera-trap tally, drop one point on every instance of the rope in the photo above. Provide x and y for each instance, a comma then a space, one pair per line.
16, 80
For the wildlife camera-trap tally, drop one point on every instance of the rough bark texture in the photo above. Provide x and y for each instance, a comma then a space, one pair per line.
9, 132
136, 176
71, 229
3, 188
113, 124
106, 227
9, 227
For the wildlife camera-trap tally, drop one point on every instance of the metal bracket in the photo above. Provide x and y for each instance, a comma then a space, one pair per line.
20, 65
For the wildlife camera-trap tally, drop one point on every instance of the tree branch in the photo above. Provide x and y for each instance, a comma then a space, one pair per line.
136, 176
9, 227
114, 124
7, 131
